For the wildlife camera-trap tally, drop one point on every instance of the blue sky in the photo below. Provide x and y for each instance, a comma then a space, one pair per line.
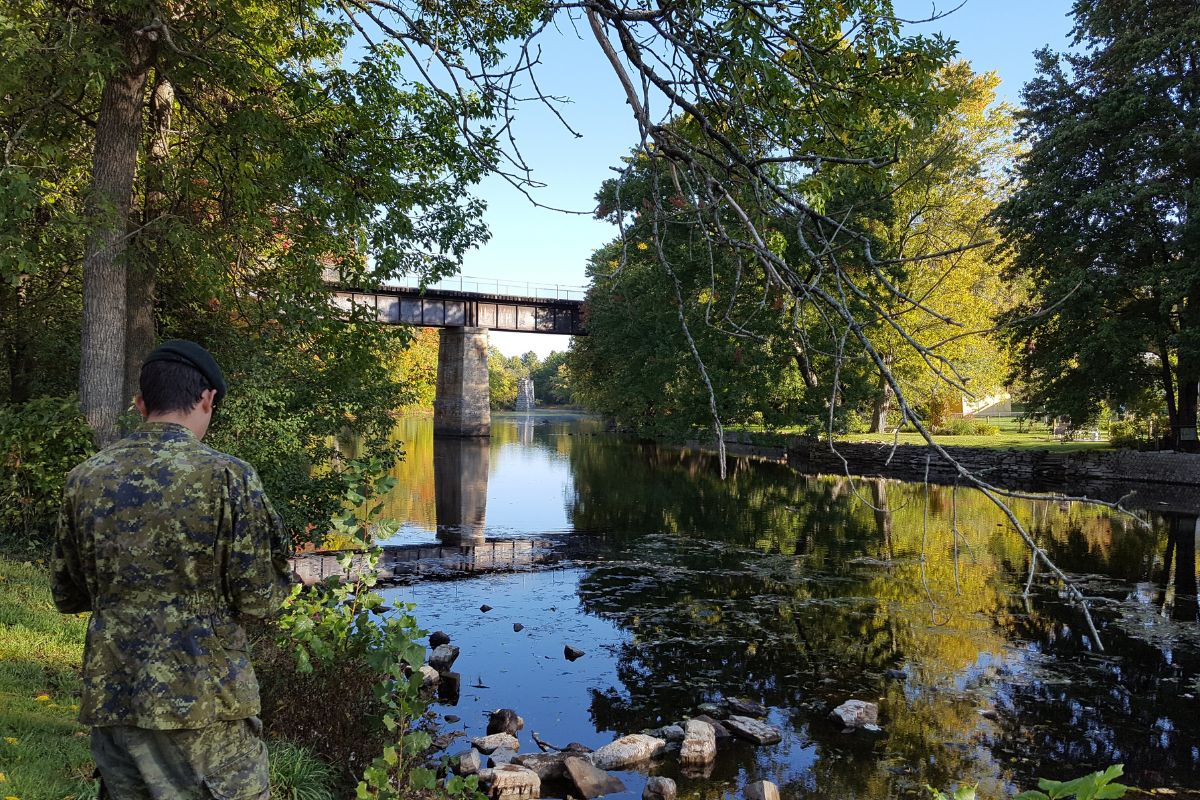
533, 244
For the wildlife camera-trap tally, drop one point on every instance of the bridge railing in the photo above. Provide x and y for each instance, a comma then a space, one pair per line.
470, 283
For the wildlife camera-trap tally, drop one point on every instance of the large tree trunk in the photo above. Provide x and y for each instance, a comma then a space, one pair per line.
142, 271
1188, 376
882, 404
114, 163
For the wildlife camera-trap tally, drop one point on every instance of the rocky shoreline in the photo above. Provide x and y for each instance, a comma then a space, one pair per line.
576, 771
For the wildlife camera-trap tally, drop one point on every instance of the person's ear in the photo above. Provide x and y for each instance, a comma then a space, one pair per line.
208, 398
141, 406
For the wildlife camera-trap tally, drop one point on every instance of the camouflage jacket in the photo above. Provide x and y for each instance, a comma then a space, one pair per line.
168, 543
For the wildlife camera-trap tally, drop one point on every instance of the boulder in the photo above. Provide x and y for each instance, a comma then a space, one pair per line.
857, 715
518, 627
449, 688
510, 782
633, 749
548, 766
490, 744
452, 718
504, 720
573, 653
502, 755
670, 733
443, 657
438, 638
720, 730
762, 790
589, 780
753, 730
485, 608
711, 709
746, 708
699, 744
469, 762
429, 676
658, 788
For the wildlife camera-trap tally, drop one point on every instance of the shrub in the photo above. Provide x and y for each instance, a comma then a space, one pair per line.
40, 441
967, 426
1137, 432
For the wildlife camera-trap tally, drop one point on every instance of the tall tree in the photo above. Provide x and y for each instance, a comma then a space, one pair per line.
1105, 222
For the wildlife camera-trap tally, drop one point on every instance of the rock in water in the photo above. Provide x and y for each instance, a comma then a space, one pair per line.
502, 756
590, 781
753, 730
518, 627
548, 766
429, 676
699, 744
485, 608
469, 762
746, 708
511, 782
720, 730
857, 714
762, 790
452, 718
633, 749
671, 733
490, 744
504, 720
449, 688
438, 638
572, 653
658, 788
443, 657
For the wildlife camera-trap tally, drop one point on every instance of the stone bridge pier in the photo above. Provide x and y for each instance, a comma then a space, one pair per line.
462, 405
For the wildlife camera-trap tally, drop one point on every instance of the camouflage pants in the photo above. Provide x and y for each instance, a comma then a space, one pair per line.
226, 761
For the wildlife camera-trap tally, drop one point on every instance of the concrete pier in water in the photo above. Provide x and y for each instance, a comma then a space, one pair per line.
463, 402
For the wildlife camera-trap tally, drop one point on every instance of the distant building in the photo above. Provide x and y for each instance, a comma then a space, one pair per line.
525, 400
992, 405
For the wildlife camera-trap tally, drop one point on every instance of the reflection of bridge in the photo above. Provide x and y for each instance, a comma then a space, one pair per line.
460, 477
462, 405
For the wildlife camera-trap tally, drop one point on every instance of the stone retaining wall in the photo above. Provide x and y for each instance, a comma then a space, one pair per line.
1003, 467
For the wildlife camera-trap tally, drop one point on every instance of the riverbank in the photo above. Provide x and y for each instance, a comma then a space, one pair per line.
44, 750
1153, 480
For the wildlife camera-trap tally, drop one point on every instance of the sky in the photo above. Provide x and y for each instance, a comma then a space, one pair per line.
551, 247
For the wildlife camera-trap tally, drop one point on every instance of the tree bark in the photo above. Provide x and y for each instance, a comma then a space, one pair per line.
142, 271
114, 163
1188, 376
881, 405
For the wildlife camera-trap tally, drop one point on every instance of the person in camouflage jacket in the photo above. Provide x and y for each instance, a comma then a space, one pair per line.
169, 543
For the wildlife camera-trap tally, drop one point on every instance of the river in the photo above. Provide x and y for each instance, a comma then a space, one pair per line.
799, 592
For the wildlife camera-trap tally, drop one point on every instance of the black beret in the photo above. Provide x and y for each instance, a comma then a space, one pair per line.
182, 351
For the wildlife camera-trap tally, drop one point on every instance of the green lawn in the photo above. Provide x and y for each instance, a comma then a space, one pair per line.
1009, 437
1012, 435
43, 749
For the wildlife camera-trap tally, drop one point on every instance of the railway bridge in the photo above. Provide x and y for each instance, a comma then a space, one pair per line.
465, 309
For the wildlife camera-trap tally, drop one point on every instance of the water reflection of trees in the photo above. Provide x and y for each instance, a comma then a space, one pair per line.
803, 591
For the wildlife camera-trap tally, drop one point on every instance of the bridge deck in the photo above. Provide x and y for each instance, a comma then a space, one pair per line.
444, 308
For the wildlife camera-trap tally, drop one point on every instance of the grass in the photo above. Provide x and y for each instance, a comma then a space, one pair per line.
44, 751
1012, 436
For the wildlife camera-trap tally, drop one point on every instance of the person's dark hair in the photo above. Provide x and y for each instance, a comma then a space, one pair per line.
168, 386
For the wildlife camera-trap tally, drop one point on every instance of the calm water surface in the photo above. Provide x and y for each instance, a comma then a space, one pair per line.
799, 592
